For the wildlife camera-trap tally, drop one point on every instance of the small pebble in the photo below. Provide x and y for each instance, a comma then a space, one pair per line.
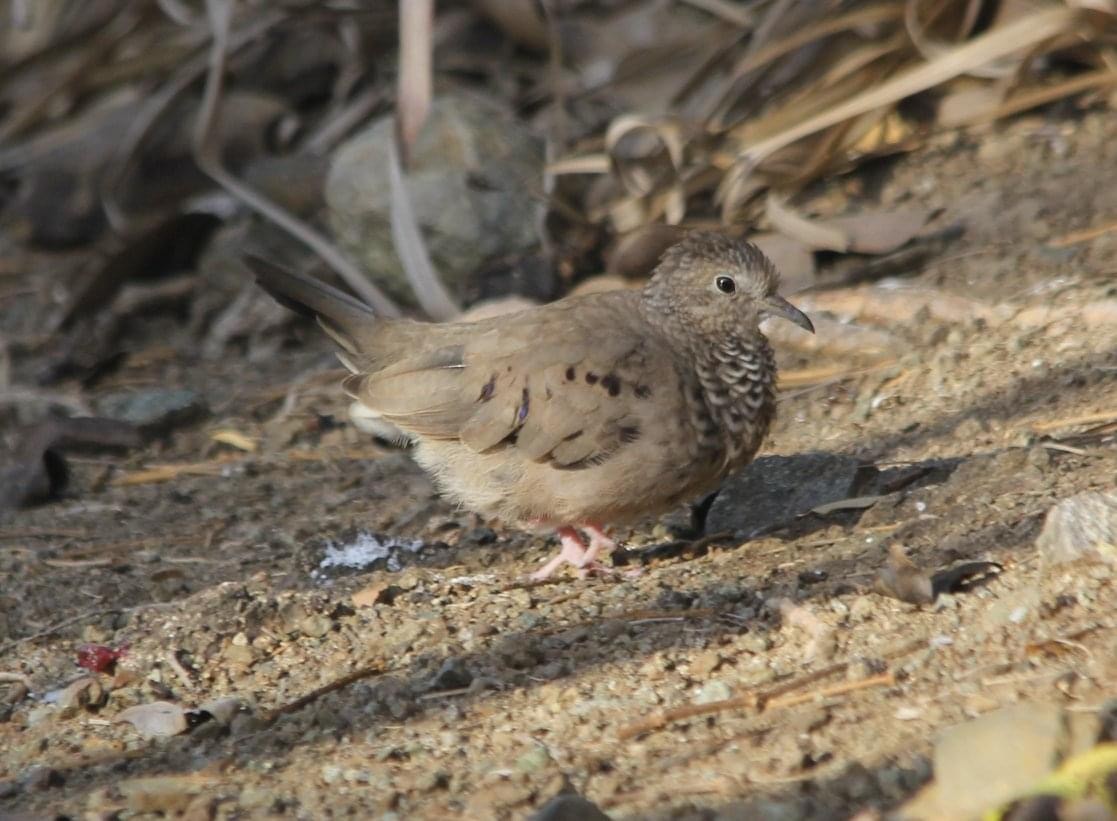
713, 691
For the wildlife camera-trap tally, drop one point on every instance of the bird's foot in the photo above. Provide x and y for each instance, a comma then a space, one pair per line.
575, 553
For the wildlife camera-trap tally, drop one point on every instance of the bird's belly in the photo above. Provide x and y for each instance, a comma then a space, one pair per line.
632, 485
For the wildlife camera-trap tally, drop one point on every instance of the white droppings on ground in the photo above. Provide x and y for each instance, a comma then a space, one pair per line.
366, 549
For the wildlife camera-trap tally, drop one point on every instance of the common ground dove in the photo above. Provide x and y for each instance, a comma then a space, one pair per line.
588, 411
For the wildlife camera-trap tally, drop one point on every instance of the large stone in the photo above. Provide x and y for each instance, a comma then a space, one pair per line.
1081, 527
569, 807
472, 172
773, 490
155, 411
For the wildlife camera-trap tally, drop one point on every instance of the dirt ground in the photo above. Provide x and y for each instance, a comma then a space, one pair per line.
453, 688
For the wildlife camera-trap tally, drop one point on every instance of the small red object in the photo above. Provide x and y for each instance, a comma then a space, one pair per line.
98, 657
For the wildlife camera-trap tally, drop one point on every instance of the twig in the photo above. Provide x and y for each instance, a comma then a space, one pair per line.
54, 628
1075, 237
780, 696
1072, 421
180, 671
67, 563
334, 129
165, 473
762, 702
375, 669
44, 533
825, 375
411, 248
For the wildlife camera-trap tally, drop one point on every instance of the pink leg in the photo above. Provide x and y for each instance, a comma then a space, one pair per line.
573, 551
600, 544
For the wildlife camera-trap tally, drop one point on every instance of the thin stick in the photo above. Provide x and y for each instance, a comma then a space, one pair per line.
776, 697
1071, 421
54, 628
375, 669
762, 702
180, 671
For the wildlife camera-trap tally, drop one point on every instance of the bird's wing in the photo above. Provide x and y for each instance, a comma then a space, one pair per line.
567, 383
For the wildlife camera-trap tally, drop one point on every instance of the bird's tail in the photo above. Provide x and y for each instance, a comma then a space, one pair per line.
345, 318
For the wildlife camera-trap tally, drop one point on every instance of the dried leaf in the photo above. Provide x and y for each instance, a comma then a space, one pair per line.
815, 235
901, 579
853, 503
981, 51
969, 104
157, 719
235, 439
964, 577
222, 710
880, 232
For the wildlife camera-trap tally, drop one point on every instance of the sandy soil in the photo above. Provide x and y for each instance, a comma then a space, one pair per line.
472, 693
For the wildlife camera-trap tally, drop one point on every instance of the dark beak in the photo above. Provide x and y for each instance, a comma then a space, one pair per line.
776, 305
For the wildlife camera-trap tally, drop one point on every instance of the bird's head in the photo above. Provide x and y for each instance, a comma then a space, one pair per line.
716, 286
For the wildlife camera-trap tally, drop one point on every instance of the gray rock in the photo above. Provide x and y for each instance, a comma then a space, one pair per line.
773, 490
569, 807
470, 180
40, 777
1001, 754
1081, 527
154, 411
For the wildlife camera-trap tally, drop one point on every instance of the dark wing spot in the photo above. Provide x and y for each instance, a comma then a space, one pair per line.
589, 462
630, 433
643, 391
611, 383
525, 403
591, 378
570, 374
487, 390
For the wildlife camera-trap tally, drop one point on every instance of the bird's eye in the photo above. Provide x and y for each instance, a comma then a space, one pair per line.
725, 284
